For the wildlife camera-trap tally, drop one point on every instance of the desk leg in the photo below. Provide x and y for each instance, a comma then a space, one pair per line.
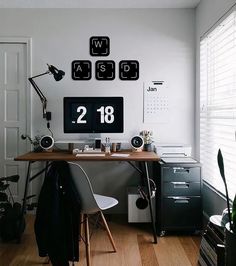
21, 225
150, 203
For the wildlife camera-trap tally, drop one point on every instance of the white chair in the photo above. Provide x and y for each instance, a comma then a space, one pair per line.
90, 203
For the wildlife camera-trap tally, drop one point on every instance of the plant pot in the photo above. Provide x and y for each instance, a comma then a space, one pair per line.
147, 147
230, 246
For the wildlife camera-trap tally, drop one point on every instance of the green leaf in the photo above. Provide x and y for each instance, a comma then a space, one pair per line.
234, 214
221, 165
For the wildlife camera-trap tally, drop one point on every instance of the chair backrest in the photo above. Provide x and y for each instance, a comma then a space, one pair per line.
84, 188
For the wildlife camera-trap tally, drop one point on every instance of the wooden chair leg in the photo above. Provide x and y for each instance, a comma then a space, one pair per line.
108, 232
87, 240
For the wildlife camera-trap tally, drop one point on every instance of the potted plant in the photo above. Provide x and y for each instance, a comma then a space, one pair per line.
230, 228
148, 139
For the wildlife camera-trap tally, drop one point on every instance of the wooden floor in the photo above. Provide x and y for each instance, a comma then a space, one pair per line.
133, 243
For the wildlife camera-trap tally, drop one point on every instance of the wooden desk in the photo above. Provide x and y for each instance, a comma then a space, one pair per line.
143, 157
68, 156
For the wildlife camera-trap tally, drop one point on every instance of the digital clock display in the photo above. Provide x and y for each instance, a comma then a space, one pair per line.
93, 115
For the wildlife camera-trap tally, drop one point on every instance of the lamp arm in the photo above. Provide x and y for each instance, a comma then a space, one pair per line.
45, 73
43, 99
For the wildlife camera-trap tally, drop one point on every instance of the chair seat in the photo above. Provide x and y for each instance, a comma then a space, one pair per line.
105, 202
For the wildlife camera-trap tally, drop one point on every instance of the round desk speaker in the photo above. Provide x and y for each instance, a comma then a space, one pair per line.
137, 143
46, 142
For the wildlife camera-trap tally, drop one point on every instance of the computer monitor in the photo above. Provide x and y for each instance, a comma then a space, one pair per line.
93, 115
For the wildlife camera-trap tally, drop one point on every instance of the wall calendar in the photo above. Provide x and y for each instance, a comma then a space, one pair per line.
155, 102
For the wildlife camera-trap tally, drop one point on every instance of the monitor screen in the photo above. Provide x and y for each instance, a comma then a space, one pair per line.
93, 115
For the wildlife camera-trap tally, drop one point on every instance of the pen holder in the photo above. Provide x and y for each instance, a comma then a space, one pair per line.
113, 147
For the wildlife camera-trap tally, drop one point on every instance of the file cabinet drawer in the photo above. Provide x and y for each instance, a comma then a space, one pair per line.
181, 188
179, 173
182, 212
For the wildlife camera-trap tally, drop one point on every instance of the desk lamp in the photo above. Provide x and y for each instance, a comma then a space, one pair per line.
58, 75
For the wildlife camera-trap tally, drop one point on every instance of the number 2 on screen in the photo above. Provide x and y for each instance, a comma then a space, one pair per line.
106, 114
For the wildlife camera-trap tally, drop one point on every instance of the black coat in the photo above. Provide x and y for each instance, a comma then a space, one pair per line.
57, 218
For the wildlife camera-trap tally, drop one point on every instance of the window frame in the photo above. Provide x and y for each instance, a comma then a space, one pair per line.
209, 107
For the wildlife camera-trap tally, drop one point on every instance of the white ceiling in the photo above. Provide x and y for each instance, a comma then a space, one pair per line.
99, 3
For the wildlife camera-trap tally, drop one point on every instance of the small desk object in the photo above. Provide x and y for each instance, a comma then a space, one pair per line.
128, 156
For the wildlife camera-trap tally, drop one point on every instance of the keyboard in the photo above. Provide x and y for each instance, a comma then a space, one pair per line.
120, 155
89, 154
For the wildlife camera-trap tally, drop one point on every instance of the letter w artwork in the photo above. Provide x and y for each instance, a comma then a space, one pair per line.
99, 46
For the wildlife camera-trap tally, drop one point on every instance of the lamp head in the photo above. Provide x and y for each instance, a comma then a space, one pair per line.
57, 74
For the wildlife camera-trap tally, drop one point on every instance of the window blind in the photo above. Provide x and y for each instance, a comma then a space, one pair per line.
218, 103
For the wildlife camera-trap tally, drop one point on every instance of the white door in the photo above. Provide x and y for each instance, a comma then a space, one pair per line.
13, 115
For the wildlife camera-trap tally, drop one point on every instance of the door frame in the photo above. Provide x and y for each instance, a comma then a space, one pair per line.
28, 42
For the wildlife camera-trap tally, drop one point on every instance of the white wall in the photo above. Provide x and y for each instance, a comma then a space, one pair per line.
207, 14
162, 40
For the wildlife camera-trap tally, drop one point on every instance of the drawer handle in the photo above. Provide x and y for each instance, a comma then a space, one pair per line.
181, 200
180, 184
180, 170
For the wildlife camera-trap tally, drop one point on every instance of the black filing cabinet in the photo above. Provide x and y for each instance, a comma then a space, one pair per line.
179, 201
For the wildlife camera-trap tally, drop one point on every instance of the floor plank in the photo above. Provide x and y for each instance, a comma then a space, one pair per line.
147, 251
190, 249
134, 248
